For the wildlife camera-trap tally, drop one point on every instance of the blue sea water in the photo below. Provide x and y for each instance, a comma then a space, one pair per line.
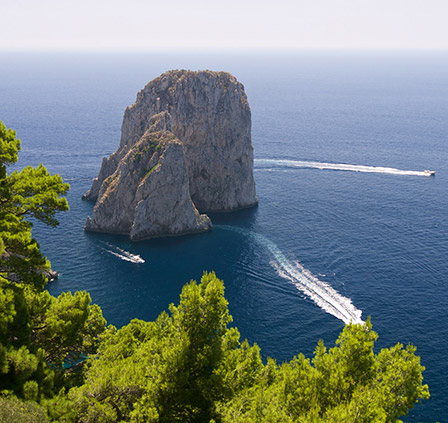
326, 243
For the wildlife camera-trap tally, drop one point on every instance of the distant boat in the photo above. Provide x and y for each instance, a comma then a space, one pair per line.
135, 258
429, 172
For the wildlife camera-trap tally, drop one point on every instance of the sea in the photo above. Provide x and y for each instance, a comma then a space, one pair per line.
348, 224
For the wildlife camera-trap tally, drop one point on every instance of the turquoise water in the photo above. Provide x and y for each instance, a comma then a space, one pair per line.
335, 236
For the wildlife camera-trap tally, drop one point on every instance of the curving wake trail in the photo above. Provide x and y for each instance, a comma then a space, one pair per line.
326, 297
270, 164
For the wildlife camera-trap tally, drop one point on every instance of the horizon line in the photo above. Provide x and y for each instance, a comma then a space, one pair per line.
29, 49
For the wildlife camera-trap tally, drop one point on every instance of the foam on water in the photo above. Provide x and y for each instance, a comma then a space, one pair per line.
326, 297
123, 254
270, 164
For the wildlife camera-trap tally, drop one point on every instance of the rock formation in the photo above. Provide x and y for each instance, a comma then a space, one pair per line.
185, 145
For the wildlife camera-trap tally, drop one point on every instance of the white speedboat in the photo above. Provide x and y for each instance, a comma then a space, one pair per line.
429, 172
135, 258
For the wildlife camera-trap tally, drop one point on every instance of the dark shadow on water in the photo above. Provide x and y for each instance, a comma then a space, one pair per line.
243, 218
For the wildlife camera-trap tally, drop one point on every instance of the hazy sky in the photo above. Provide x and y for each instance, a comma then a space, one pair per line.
118, 24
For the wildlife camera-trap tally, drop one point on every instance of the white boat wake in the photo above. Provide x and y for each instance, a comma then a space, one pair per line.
270, 164
326, 297
124, 255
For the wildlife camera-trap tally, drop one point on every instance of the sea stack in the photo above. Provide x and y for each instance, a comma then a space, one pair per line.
185, 146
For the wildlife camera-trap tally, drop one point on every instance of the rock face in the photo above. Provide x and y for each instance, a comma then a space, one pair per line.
185, 145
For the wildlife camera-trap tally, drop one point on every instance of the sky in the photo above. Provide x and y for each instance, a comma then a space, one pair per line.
224, 24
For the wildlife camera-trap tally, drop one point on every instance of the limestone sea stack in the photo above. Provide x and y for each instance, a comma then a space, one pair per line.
185, 146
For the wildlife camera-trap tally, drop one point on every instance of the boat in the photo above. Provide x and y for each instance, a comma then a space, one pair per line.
429, 172
135, 258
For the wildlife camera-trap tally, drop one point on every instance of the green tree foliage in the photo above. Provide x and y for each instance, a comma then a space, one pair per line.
348, 383
43, 340
14, 411
189, 366
29, 193
172, 370
66, 327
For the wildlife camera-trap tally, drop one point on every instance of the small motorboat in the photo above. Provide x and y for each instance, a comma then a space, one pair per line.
429, 172
135, 258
